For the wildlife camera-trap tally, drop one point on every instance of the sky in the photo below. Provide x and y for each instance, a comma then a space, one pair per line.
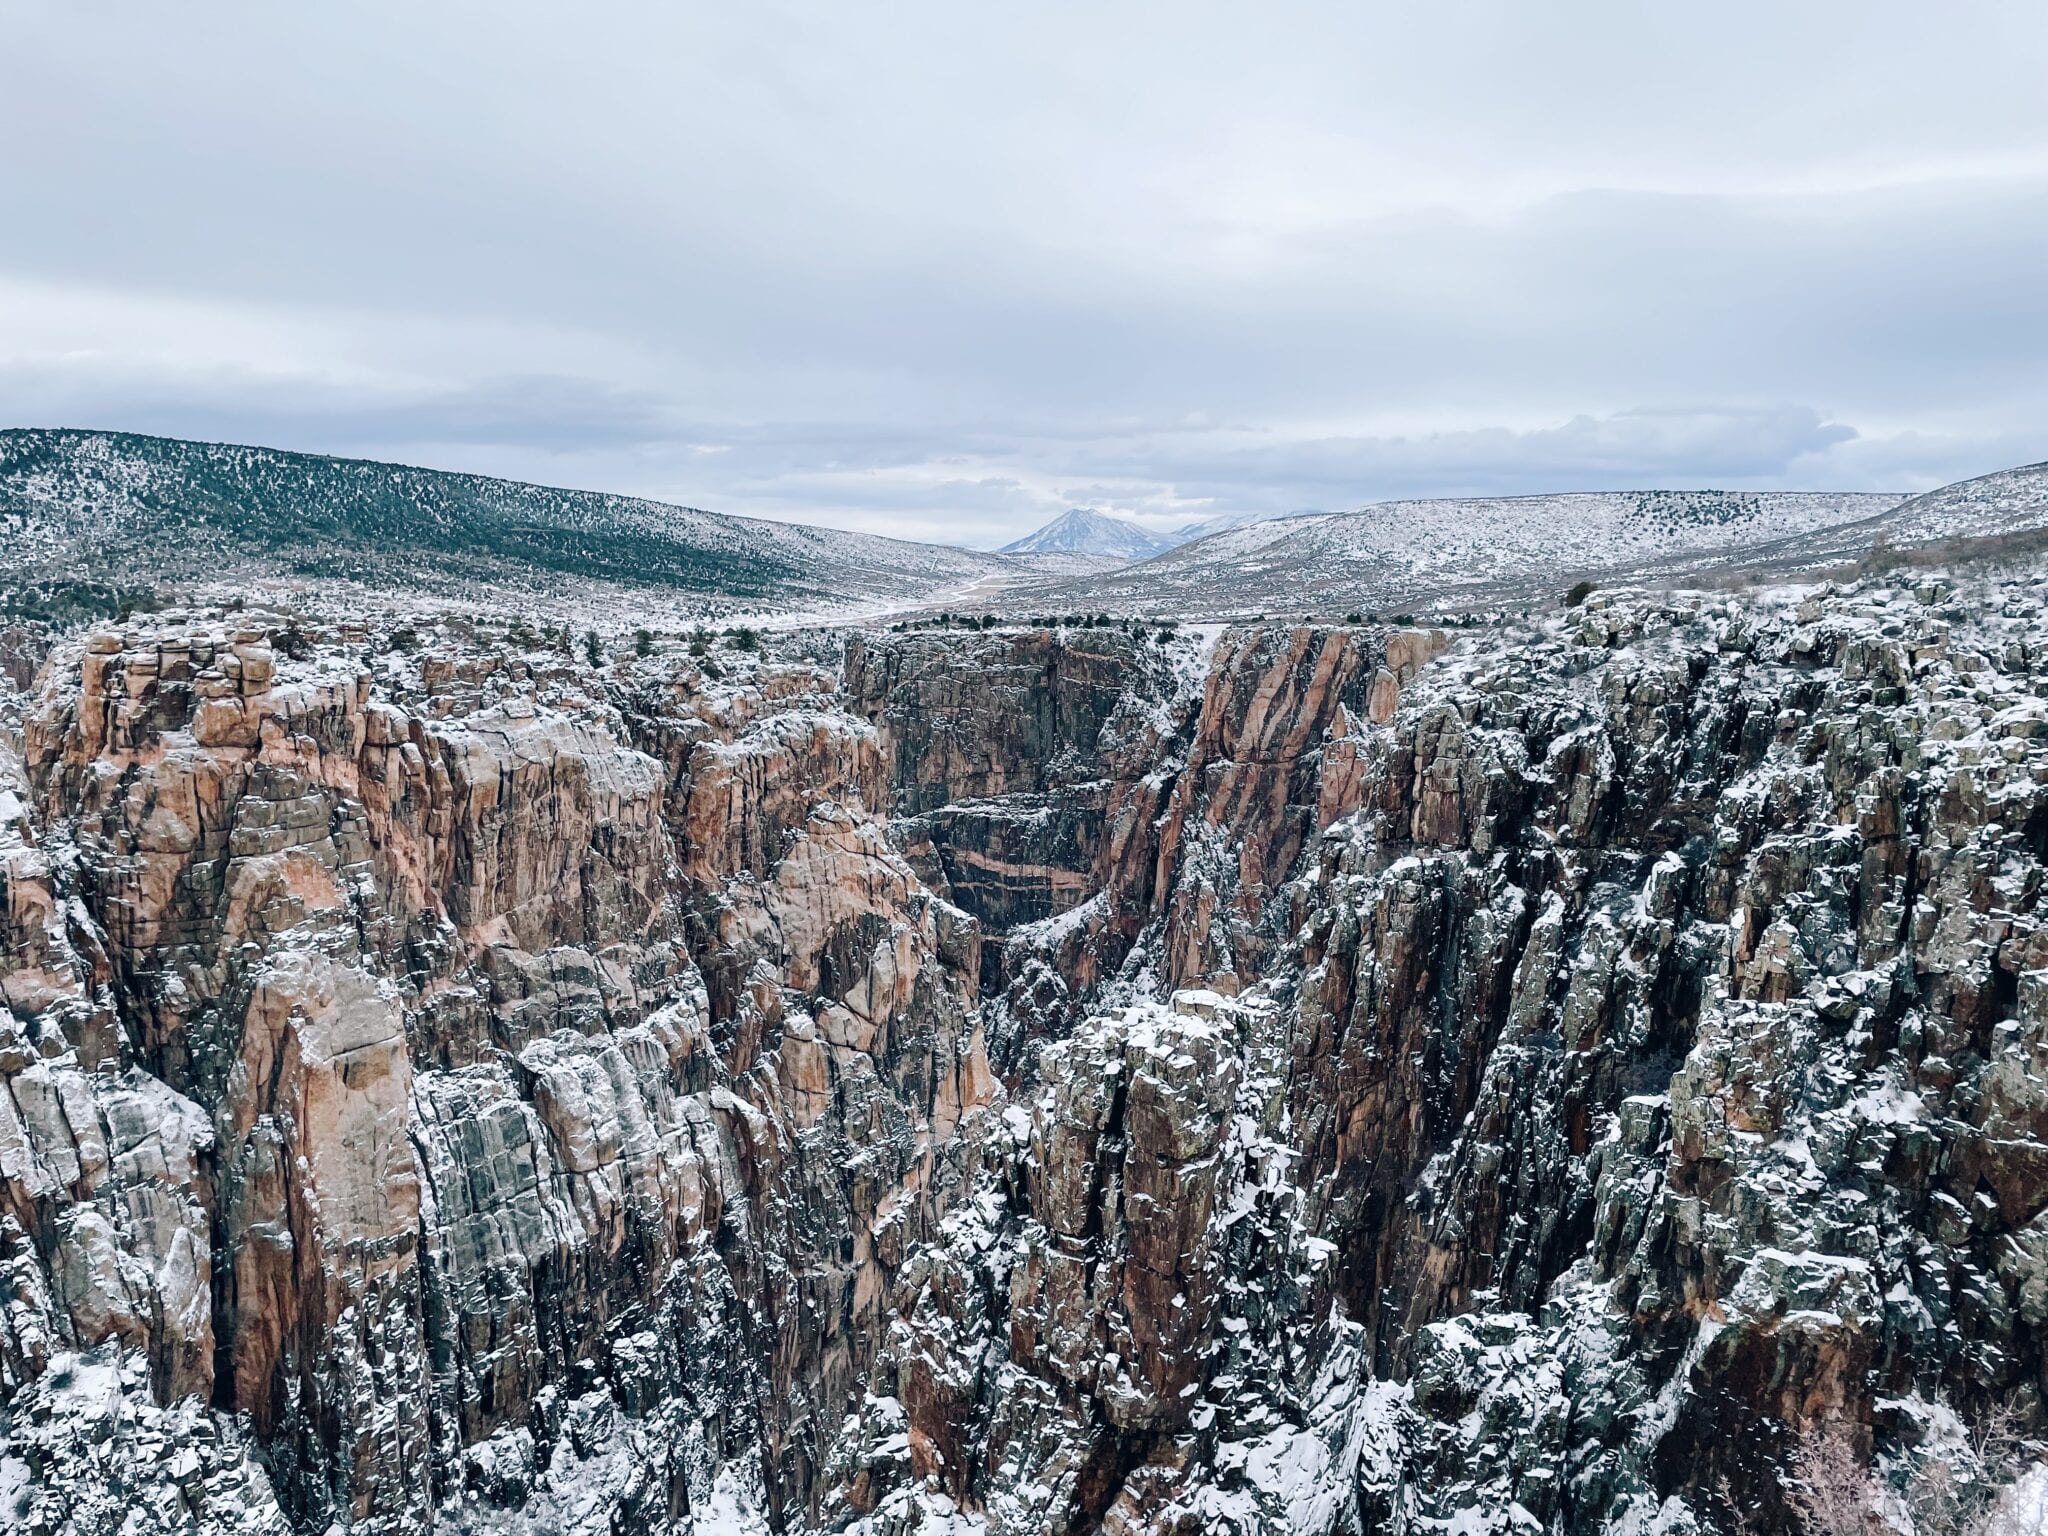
945, 270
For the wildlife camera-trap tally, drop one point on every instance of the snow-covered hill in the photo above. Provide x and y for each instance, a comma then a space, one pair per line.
1187, 533
1083, 532
1952, 521
1401, 552
121, 511
2010, 501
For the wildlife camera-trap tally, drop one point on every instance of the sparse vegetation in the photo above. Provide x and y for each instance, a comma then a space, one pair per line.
350, 519
68, 603
1991, 550
1695, 509
292, 642
1962, 1490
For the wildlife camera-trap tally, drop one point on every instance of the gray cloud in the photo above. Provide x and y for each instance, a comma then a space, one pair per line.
946, 271
543, 412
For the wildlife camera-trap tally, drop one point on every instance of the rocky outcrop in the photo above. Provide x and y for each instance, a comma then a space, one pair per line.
21, 656
1002, 751
971, 715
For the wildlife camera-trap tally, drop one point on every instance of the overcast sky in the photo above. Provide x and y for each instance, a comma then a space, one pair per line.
947, 269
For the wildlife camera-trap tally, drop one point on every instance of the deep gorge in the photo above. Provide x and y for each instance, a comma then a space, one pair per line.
1279, 1078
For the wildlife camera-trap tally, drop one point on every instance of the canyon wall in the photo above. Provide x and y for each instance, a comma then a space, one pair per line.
1279, 1079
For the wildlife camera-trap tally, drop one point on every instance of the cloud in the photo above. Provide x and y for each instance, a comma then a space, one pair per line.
1628, 448
951, 272
544, 412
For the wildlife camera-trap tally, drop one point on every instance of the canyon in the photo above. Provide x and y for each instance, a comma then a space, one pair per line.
1533, 1075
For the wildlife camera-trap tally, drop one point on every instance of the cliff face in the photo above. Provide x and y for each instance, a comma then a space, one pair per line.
1288, 1079
365, 1081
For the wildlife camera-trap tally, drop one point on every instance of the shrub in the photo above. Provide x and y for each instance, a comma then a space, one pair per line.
1966, 1490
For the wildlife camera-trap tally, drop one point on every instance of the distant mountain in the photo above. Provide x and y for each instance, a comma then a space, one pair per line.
113, 510
1082, 532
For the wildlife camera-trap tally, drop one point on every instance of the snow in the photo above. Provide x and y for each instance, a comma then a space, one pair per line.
2005, 502
1051, 932
2022, 1509
1888, 1104
731, 1510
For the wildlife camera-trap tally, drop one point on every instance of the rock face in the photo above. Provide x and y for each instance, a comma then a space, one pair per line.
364, 1079
1002, 755
1033, 1081
21, 654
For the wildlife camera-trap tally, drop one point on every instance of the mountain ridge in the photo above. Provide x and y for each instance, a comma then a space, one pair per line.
96, 520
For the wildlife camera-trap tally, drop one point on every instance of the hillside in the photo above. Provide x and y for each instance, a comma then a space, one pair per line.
2002, 513
2010, 501
95, 509
1187, 533
1490, 549
95, 522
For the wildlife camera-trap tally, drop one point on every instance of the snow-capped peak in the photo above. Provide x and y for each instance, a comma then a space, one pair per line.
1085, 532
